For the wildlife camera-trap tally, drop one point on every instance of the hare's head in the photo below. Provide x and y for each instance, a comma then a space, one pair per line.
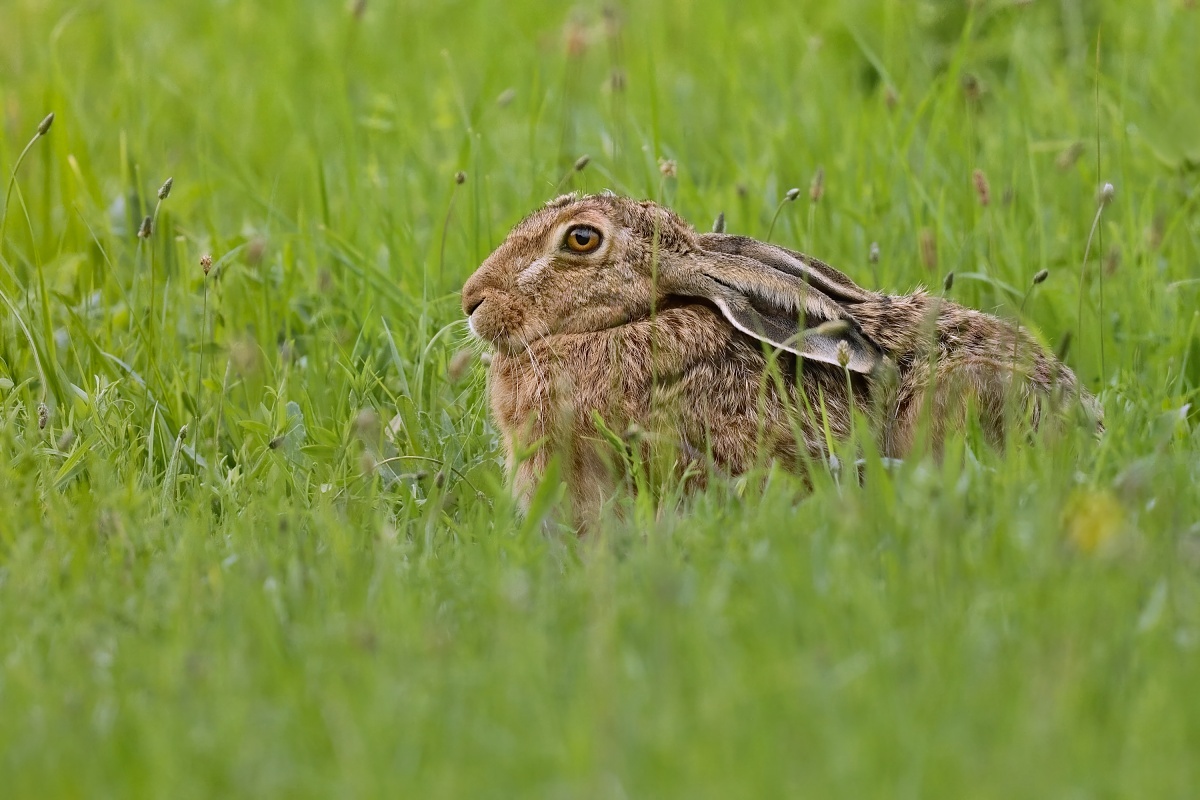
578, 264
584, 264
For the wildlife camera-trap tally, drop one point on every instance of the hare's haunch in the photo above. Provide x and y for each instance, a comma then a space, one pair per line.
732, 349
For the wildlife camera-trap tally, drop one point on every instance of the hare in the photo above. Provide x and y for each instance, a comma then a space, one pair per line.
600, 307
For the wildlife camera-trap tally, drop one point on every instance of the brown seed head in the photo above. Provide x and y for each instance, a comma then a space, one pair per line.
459, 365
43, 416
668, 167
576, 39
164, 191
1112, 261
982, 189
146, 229
206, 263
817, 188
1067, 158
927, 244
972, 88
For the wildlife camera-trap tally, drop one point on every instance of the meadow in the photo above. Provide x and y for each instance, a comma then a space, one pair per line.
255, 539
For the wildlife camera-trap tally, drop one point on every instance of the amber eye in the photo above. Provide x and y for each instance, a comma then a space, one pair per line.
583, 239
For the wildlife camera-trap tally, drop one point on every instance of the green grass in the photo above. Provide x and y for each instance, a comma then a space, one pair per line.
252, 611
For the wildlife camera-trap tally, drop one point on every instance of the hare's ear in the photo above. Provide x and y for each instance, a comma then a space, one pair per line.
822, 277
778, 308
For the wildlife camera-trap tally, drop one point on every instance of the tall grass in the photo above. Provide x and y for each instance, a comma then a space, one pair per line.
255, 539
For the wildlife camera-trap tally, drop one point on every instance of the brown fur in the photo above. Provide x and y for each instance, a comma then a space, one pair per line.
628, 331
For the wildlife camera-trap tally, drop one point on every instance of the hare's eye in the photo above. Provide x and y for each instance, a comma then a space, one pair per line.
583, 239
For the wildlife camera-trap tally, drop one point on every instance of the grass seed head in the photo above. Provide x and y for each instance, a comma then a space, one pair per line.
948, 283
506, 97
255, 248
843, 353
582, 162
1041, 276
575, 37
668, 167
1107, 192
873, 253
792, 194
719, 223
44, 126
459, 364
206, 263
1112, 260
982, 189
927, 244
1067, 158
972, 88
816, 189
367, 425
146, 228
43, 416
460, 177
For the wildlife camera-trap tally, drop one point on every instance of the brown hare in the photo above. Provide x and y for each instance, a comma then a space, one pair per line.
737, 351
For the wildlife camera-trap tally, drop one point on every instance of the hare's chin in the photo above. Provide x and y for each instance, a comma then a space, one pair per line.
499, 340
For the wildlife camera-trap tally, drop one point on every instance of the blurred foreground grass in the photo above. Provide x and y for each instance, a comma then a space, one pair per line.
253, 610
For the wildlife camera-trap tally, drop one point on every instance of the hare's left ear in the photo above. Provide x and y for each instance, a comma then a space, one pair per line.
834, 284
788, 310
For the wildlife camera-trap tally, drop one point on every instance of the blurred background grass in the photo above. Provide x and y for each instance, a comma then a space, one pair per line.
254, 609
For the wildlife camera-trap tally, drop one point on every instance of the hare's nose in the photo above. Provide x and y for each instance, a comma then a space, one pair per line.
472, 298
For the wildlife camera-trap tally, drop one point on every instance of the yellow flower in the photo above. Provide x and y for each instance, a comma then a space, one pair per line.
1092, 519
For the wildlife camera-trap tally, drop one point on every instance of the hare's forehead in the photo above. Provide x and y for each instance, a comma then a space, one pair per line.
549, 224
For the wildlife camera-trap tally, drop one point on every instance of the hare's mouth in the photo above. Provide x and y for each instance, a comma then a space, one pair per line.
501, 324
